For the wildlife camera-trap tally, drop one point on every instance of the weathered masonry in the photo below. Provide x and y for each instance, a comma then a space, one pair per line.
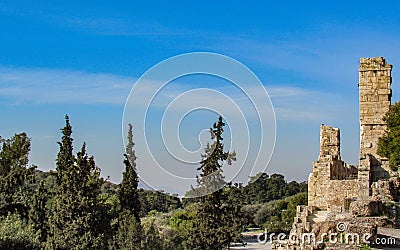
375, 96
333, 183
364, 196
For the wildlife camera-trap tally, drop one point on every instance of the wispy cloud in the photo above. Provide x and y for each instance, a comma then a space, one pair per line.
287, 91
51, 86
319, 59
38, 85
301, 104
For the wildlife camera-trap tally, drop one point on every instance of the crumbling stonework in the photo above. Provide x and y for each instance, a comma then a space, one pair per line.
375, 95
386, 190
363, 196
332, 181
365, 208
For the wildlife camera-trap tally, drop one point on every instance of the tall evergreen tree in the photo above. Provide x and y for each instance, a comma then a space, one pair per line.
130, 151
76, 222
211, 227
129, 232
128, 193
65, 156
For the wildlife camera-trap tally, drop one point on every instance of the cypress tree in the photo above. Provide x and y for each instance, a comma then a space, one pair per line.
130, 151
129, 232
128, 194
65, 156
75, 222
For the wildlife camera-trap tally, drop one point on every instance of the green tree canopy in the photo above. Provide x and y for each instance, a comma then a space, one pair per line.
76, 220
214, 226
15, 175
389, 144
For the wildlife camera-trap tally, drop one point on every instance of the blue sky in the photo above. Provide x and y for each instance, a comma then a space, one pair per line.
82, 59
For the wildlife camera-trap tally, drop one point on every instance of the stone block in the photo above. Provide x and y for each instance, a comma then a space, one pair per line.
365, 208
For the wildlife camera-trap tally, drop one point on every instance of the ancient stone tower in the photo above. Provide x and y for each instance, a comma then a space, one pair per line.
354, 195
333, 183
375, 95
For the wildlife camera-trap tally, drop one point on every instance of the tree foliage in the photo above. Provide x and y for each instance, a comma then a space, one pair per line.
15, 175
128, 194
155, 200
129, 230
75, 221
389, 144
16, 233
214, 227
37, 211
74, 208
152, 239
264, 188
278, 215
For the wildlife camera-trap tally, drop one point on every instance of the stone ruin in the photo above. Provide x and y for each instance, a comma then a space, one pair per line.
363, 198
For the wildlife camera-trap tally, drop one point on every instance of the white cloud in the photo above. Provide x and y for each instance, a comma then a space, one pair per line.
38, 85
286, 91
52, 86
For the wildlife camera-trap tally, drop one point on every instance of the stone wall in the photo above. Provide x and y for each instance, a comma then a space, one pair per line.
375, 96
333, 195
332, 181
329, 140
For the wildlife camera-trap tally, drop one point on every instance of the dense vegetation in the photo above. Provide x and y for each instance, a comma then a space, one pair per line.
389, 144
74, 208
